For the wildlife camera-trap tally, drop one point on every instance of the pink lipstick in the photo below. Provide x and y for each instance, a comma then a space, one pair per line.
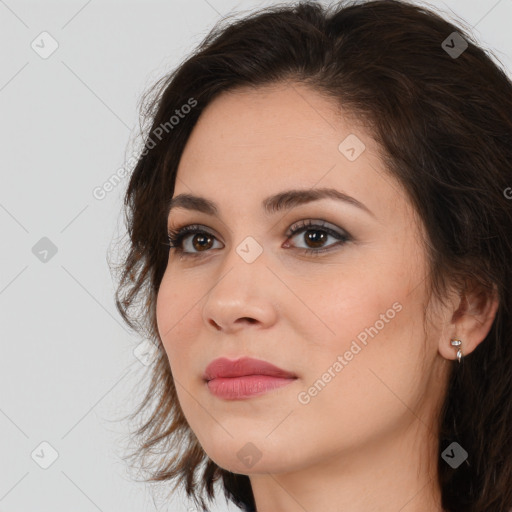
244, 378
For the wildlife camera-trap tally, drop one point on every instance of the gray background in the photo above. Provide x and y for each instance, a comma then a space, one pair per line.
68, 372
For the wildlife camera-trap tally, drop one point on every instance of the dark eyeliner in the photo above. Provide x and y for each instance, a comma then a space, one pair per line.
176, 236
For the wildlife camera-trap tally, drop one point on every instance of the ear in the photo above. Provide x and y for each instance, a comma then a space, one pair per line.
471, 320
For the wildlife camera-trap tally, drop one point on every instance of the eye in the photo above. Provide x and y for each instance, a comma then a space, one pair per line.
316, 234
202, 241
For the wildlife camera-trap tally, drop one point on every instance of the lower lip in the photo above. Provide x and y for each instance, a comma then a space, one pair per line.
234, 388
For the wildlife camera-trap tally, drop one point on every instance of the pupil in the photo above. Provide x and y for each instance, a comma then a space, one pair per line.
200, 238
312, 238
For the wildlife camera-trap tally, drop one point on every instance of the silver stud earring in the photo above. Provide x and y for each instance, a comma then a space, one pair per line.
456, 343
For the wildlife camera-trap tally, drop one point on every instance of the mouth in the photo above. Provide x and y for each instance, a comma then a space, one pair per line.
237, 388
245, 366
244, 378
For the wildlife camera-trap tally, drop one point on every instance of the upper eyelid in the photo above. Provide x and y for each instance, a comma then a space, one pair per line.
297, 226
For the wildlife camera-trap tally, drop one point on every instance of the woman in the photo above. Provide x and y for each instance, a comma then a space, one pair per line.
321, 229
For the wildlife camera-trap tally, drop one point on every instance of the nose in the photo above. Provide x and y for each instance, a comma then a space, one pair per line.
245, 319
243, 295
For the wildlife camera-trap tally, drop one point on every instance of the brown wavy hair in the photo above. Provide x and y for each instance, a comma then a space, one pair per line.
444, 123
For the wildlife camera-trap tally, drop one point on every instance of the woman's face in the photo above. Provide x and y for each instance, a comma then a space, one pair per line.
345, 318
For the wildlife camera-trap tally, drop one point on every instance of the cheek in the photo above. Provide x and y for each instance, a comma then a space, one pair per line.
173, 315
346, 304
371, 318
165, 312
362, 377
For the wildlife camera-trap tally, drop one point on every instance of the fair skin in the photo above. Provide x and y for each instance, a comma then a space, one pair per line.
367, 441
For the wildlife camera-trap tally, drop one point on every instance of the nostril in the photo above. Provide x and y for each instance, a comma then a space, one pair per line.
215, 324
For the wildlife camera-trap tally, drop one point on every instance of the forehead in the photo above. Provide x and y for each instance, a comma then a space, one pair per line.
275, 123
256, 142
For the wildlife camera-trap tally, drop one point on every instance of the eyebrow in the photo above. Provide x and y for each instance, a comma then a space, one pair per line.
282, 201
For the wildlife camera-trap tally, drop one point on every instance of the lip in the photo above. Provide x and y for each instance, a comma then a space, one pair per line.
244, 378
245, 366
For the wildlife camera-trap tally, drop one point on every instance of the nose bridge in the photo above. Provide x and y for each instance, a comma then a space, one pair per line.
238, 292
244, 262
246, 243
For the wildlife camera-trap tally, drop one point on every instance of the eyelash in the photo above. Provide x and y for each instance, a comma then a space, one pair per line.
176, 236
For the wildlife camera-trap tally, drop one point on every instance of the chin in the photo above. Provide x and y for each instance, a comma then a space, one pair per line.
253, 457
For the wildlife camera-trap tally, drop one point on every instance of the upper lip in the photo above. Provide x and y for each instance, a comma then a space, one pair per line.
223, 367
